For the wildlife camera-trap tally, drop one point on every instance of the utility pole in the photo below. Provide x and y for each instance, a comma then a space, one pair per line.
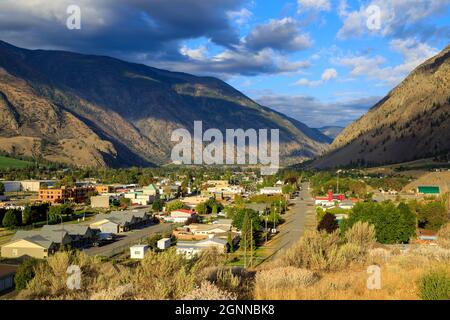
251, 245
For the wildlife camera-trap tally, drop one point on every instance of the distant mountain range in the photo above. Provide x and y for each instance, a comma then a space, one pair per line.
331, 131
99, 111
411, 122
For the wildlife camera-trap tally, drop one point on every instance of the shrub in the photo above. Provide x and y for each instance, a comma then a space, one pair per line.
208, 291
432, 215
25, 273
361, 234
317, 251
435, 285
444, 236
284, 279
328, 223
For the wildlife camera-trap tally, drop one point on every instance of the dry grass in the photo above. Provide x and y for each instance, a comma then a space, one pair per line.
444, 236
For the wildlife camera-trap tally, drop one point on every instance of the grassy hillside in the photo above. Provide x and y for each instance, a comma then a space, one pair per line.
8, 163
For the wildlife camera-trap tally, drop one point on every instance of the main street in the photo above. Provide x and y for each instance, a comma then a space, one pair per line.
295, 222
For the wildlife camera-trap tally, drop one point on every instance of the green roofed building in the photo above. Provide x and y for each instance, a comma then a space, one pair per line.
429, 189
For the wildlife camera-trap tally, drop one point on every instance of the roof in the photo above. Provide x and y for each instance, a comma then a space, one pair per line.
139, 246
72, 229
43, 238
183, 210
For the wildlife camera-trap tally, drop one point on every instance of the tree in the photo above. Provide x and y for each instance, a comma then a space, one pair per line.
392, 224
328, 223
27, 216
54, 214
201, 208
432, 215
25, 273
157, 205
175, 205
2, 189
10, 219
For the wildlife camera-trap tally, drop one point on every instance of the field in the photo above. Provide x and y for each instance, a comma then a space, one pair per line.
6, 162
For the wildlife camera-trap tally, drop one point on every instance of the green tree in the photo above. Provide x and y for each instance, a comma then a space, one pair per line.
27, 216
2, 189
10, 219
201, 208
432, 215
25, 273
392, 224
157, 205
175, 205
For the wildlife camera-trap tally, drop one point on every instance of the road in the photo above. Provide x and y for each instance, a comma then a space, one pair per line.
294, 226
128, 239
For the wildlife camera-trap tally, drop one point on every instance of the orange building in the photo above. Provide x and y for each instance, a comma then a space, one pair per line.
63, 194
104, 189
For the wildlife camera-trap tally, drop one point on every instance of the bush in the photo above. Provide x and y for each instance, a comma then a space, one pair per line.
208, 291
328, 223
284, 279
444, 236
316, 251
432, 215
361, 234
25, 273
435, 285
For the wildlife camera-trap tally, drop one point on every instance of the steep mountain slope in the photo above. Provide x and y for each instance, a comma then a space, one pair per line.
121, 113
331, 131
411, 122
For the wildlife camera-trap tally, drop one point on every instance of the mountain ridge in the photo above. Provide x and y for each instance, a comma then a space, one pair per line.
124, 111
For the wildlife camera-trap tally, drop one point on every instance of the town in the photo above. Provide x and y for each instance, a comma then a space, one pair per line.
250, 220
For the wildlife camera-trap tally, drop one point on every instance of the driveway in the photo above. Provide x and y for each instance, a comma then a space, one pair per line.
128, 239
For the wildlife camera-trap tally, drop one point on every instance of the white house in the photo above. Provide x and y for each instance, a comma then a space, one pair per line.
192, 248
271, 190
138, 251
179, 216
164, 243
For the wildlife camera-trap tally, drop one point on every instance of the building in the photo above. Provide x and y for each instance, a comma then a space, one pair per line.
65, 194
35, 185
37, 244
330, 200
104, 189
180, 216
164, 243
138, 251
429, 190
209, 229
192, 248
271, 190
12, 186
102, 201
150, 190
120, 221
192, 202
7, 273
80, 235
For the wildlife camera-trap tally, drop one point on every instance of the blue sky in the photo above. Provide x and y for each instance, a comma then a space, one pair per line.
322, 62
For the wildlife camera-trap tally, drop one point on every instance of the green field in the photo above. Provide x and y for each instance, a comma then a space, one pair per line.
12, 163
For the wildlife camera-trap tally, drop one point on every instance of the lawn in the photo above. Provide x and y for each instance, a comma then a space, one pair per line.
11, 163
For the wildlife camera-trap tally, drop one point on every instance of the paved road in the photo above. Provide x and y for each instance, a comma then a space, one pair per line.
127, 239
291, 231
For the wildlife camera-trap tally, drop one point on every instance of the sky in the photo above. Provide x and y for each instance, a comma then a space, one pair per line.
322, 62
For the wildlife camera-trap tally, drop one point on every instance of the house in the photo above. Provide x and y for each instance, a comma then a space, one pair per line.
192, 248
164, 243
330, 200
208, 229
37, 244
104, 189
346, 204
271, 190
120, 221
138, 251
180, 216
80, 235
35, 185
429, 190
7, 273
150, 190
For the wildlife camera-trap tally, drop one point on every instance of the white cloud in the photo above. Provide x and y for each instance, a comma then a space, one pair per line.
314, 5
395, 16
241, 17
414, 53
195, 54
327, 75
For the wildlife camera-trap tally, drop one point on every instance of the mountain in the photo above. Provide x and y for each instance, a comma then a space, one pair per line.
411, 122
99, 111
331, 131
